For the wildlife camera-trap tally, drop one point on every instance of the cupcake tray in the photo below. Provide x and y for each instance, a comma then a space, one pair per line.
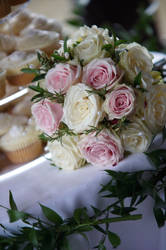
5, 165
4, 102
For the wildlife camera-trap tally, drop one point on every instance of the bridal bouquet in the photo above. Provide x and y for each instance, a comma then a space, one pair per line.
100, 97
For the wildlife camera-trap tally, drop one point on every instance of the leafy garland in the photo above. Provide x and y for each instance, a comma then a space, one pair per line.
53, 233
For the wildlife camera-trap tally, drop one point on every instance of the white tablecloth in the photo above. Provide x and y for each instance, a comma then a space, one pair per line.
66, 190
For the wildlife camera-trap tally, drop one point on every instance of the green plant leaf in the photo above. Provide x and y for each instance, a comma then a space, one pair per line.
15, 215
38, 77
33, 237
114, 239
157, 157
159, 215
30, 71
137, 80
51, 215
12, 202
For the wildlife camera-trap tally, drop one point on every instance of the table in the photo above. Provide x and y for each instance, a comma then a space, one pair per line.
64, 191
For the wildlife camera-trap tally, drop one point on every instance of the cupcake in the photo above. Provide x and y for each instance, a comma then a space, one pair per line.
42, 23
33, 39
4, 8
24, 106
15, 62
7, 120
7, 43
19, 22
2, 83
21, 144
2, 55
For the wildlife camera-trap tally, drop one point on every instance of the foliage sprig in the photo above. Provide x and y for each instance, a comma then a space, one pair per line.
45, 94
58, 135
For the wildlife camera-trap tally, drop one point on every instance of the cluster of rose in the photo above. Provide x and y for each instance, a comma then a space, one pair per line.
114, 101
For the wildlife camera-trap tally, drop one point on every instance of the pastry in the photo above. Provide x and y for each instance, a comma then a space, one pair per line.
2, 83
2, 55
15, 62
34, 39
7, 43
19, 22
42, 23
7, 120
21, 144
24, 106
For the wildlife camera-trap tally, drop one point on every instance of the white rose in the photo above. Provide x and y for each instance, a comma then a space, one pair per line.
81, 109
134, 59
155, 108
86, 31
89, 48
66, 155
136, 136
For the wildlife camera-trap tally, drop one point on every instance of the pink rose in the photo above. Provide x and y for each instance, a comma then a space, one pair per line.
47, 115
101, 72
103, 149
61, 77
119, 102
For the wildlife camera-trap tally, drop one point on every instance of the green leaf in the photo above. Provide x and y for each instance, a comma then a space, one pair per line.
83, 228
78, 214
96, 210
65, 244
122, 210
159, 215
118, 42
15, 215
100, 229
51, 215
30, 71
65, 45
107, 47
157, 157
58, 58
114, 239
33, 237
12, 202
38, 77
137, 80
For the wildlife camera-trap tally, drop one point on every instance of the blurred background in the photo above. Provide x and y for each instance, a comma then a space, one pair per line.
142, 21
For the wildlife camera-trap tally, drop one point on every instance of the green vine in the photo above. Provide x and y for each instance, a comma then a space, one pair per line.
54, 232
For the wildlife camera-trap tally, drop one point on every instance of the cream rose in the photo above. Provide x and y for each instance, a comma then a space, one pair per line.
136, 136
103, 149
81, 110
134, 59
155, 108
66, 155
86, 31
119, 102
